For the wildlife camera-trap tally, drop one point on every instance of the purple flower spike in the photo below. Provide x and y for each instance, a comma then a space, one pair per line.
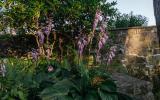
109, 61
111, 54
100, 44
39, 32
40, 37
48, 53
102, 29
98, 17
35, 55
82, 42
48, 28
103, 40
95, 24
46, 31
105, 36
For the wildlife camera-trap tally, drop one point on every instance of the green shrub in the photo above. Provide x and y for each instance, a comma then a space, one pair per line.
25, 80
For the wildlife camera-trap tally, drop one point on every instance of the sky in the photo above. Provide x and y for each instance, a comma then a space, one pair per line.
142, 7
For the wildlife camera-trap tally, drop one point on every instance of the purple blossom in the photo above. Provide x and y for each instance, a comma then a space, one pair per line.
98, 17
40, 37
102, 41
82, 42
109, 61
95, 24
34, 54
111, 54
102, 29
98, 58
48, 53
100, 45
80, 47
50, 68
47, 31
48, 28
39, 32
104, 35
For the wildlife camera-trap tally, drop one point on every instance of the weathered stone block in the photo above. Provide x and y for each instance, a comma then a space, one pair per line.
136, 88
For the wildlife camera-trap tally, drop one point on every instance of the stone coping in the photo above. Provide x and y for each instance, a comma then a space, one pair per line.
137, 27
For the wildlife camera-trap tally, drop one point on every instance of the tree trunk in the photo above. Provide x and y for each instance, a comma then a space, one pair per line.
156, 4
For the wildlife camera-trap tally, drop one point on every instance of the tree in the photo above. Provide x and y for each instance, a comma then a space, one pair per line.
58, 21
69, 16
129, 20
156, 4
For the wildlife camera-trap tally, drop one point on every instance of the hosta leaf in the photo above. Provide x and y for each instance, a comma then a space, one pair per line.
107, 96
78, 98
57, 98
64, 98
92, 95
75, 94
21, 95
60, 89
108, 86
5, 97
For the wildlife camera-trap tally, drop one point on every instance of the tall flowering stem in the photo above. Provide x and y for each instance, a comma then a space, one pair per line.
99, 26
99, 23
42, 37
97, 20
111, 54
103, 36
40, 41
54, 40
98, 17
61, 48
48, 28
81, 43
35, 54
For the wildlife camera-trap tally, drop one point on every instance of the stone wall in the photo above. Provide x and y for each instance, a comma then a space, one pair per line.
138, 47
139, 40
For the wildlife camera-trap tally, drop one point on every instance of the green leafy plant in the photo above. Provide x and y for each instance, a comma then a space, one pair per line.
72, 82
23, 80
13, 84
84, 84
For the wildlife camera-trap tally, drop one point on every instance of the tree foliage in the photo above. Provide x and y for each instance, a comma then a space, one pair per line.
69, 16
129, 20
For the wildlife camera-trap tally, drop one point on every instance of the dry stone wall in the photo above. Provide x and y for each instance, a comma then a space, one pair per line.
139, 52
